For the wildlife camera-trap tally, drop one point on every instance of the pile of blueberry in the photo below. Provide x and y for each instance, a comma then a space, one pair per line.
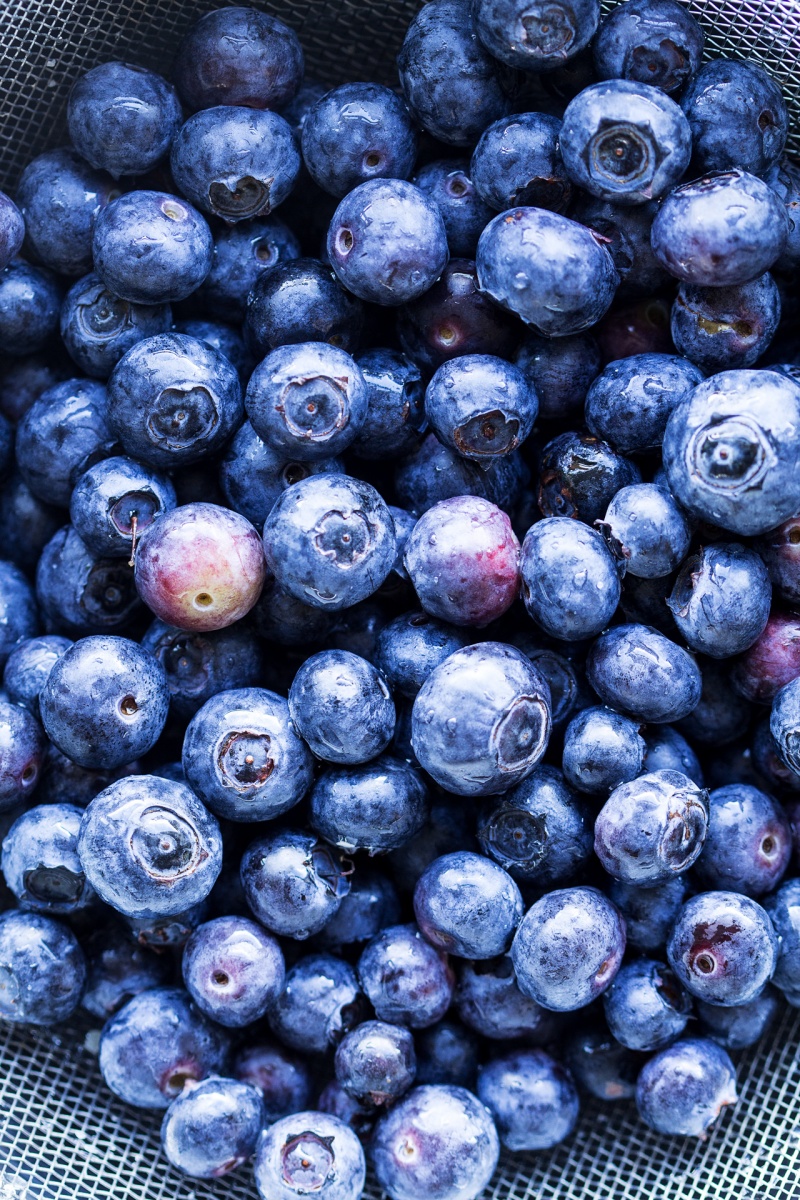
385, 583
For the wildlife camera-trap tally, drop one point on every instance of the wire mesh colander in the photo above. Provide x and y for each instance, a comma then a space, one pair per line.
63, 1136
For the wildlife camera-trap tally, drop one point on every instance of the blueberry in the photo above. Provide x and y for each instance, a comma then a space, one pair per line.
395, 416
452, 86
41, 864
771, 662
12, 230
720, 230
560, 556
200, 567
30, 301
723, 947
629, 403
645, 1007
26, 523
481, 406
329, 541
532, 1098
22, 749
601, 750
212, 1127
649, 912
518, 162
62, 434
406, 980
651, 828
301, 300
481, 720
292, 883
309, 1152
649, 41
156, 1044
377, 806
683, 1090
643, 674
731, 447
334, 1099
118, 969
238, 56
539, 36
319, 1004
80, 593
115, 501
568, 948
149, 848
242, 254
749, 841
446, 181
387, 241
448, 1054
178, 244
723, 329
375, 1063
233, 970
539, 830
463, 560
98, 328
122, 118
560, 370
341, 706
467, 905
579, 476
785, 725
433, 473
489, 1001
741, 1026
601, 1066
721, 599
283, 1078
627, 234
43, 972
784, 179
778, 549
19, 618
737, 117
28, 667
371, 905
439, 1141
783, 909
768, 763
564, 290
647, 531
61, 196
413, 645
226, 340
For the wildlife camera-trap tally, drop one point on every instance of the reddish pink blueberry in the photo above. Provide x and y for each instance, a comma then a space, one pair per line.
772, 661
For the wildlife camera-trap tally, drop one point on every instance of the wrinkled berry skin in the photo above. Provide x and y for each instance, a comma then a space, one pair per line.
649, 912
235, 163
630, 401
375, 1063
301, 300
646, 530
12, 230
28, 667
601, 750
561, 370
682, 1090
651, 828
450, 83
721, 599
553, 273
149, 848
242, 254
640, 121
467, 905
376, 806
722, 329
438, 1142
749, 841
406, 980
462, 558
108, 497
319, 1004
212, 1127
330, 541
433, 473
481, 406
536, 37
644, 675
307, 401
645, 1007
61, 435
79, 593
342, 708
737, 117
489, 1001
292, 883
723, 948
122, 118
568, 948
446, 181
157, 1043
539, 830
481, 721
44, 971
392, 425
387, 242
532, 1098
60, 197
649, 41
282, 1078
721, 230
742, 1026
40, 861
771, 662
731, 451
97, 327
570, 582
517, 162
601, 1066
447, 1053
233, 970
151, 248
200, 568
309, 1152
22, 750
579, 476
413, 645
104, 702
784, 911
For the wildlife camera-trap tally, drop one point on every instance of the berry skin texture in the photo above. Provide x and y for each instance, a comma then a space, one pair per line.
97, 327
784, 725
341, 707
517, 161
536, 37
649, 41
212, 1127
200, 568
489, 1001
413, 645
28, 666
481, 406
447, 1054
293, 301
532, 1098
462, 558
387, 242
406, 980
375, 806
22, 750
728, 328
749, 841
552, 272
320, 1003
44, 970
375, 1063
643, 674
721, 599
645, 1007
783, 908
737, 116
683, 1090
40, 861
601, 750
723, 948
438, 1142
63, 432
233, 970
771, 662
292, 883
309, 1152
646, 529
630, 401
115, 501
60, 197
467, 905
480, 740
568, 948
